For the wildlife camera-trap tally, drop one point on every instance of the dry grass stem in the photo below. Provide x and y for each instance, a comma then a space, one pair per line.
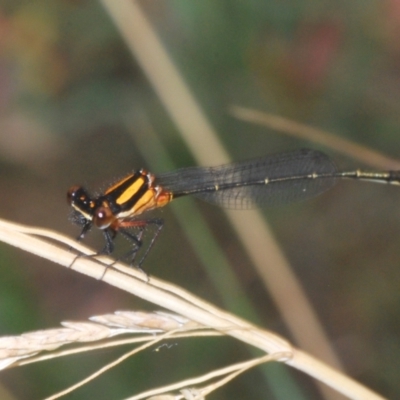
231, 372
109, 366
305, 132
181, 303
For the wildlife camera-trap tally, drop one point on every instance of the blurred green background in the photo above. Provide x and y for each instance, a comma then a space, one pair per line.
68, 85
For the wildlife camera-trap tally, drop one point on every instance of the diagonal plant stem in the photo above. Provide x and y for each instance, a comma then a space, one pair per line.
181, 302
314, 135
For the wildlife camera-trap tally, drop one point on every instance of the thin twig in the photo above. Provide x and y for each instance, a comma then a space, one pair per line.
110, 365
232, 370
315, 135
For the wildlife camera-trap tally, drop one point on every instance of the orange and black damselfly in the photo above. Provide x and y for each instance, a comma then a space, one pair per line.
273, 179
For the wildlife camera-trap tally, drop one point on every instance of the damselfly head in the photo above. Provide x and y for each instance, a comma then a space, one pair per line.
81, 202
87, 209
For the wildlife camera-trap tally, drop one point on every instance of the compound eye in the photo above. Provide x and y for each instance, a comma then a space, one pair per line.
103, 217
74, 193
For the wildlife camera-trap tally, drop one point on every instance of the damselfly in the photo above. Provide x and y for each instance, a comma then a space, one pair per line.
273, 179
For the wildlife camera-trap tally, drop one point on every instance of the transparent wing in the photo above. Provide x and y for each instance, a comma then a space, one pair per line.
274, 179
